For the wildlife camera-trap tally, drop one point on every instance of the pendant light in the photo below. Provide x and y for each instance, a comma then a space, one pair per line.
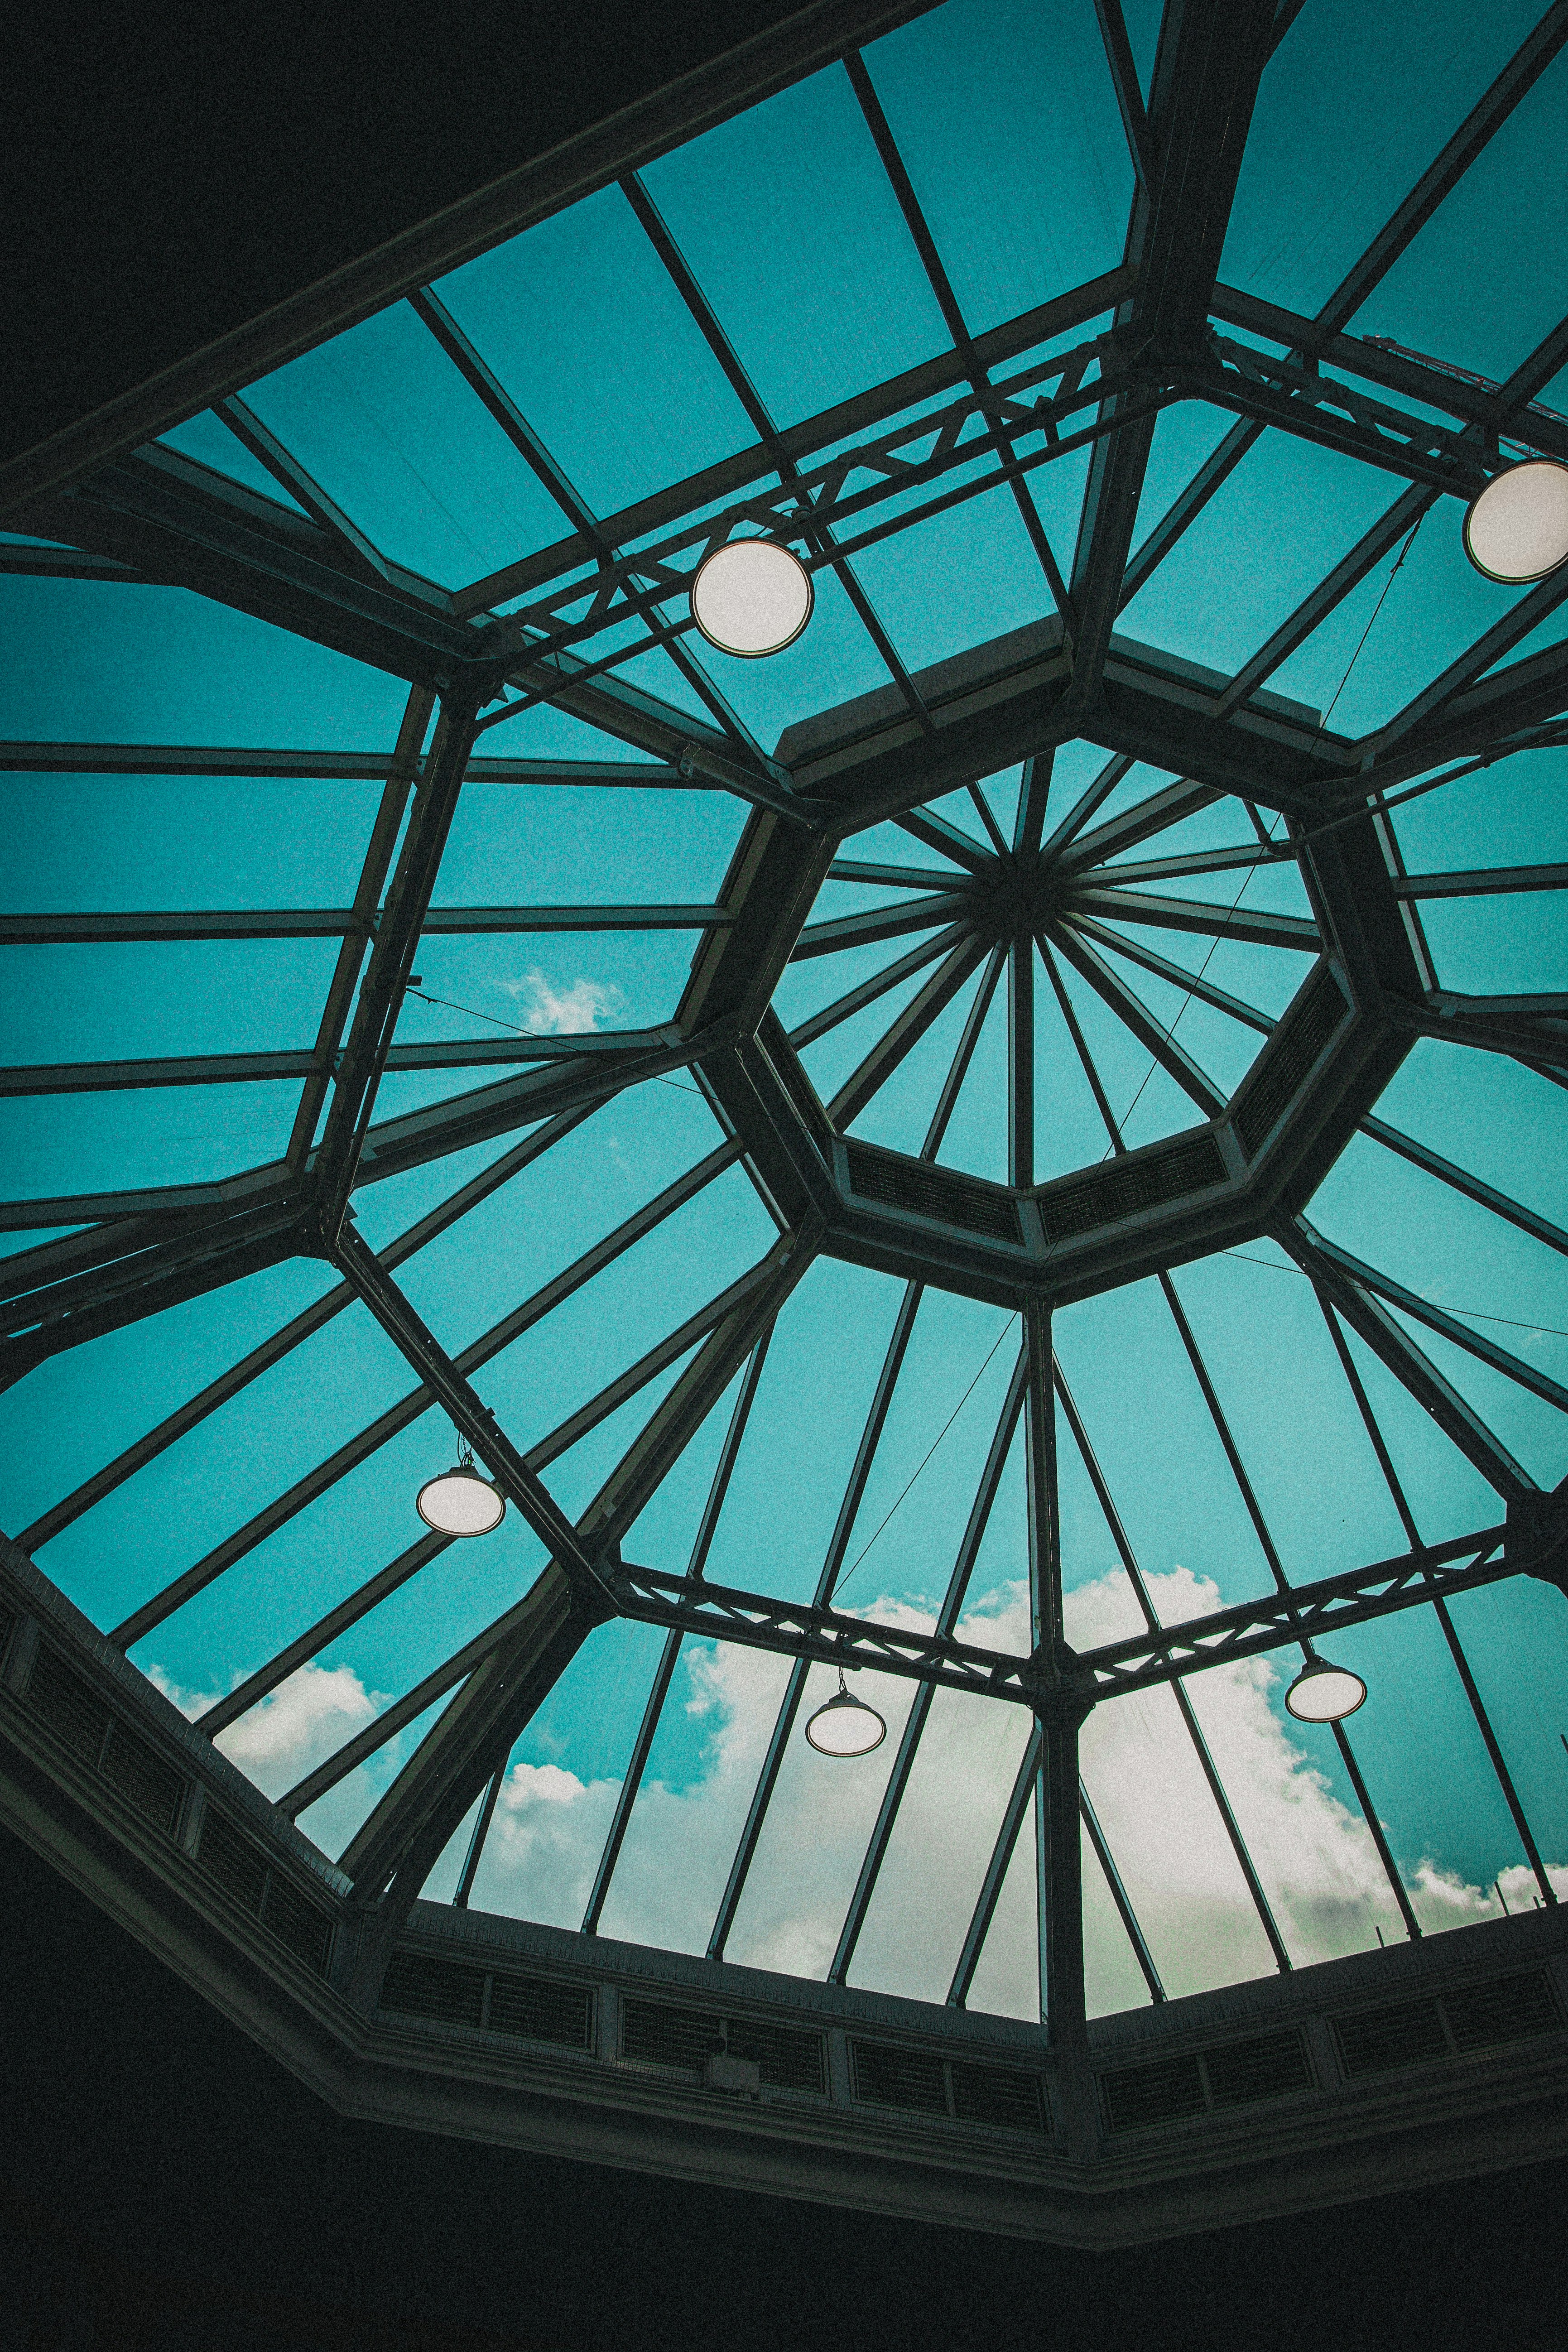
751, 597
460, 1502
1517, 529
1322, 1693
846, 1726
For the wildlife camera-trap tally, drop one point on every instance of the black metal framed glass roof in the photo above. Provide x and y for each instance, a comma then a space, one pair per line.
1011, 1150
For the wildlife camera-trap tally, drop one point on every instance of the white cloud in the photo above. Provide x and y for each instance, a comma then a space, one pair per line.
564, 1011
1315, 1856
293, 1729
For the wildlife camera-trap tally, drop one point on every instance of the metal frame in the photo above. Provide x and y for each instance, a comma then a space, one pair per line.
1060, 894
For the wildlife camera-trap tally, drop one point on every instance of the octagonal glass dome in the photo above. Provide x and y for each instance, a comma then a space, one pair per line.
1016, 1145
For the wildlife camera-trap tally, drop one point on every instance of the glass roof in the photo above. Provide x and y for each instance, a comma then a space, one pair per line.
629, 993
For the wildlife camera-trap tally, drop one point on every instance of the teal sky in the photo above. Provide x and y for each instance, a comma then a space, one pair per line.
1005, 119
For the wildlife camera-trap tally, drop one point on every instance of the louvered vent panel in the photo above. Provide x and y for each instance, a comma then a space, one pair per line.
1136, 2098
1006, 2097
69, 1708
790, 2060
1270, 2066
237, 1866
540, 2010
301, 1926
897, 2078
8, 1627
1509, 2009
1148, 1181
1285, 1061
936, 1193
149, 1785
653, 2035
418, 1985
1401, 2033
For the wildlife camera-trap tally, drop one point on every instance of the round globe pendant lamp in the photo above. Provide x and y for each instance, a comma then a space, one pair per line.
1517, 529
846, 1726
459, 1502
751, 597
1322, 1693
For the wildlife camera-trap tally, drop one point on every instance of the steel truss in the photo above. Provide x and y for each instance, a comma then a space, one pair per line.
1062, 897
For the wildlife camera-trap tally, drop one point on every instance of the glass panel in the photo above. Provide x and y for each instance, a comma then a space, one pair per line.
1434, 299
681, 1838
87, 844
1007, 125
931, 1880
584, 329
55, 1145
1356, 103
382, 421
123, 1002
164, 666
784, 214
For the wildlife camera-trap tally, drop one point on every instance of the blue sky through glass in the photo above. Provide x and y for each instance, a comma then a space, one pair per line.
299, 1484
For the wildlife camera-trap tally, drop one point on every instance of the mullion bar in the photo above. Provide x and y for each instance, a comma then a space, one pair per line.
1186, 508
958, 1070
1373, 1323
1486, 1196
1033, 795
1134, 1015
1436, 1319
1120, 1897
848, 1510
901, 1039
1485, 118
367, 898
477, 1843
984, 1910
509, 418
658, 234
914, 1723
1079, 815
364, 1056
983, 809
953, 316
1128, 96
1134, 1574
316, 1638
631, 1781
1271, 1553
1462, 1665
1102, 1100
408, 1408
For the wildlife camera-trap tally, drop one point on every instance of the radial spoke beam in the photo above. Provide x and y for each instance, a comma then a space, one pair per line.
1253, 924
1131, 1010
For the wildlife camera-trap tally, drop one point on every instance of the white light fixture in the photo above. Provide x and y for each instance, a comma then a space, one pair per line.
459, 1502
1324, 1694
846, 1726
1517, 529
751, 597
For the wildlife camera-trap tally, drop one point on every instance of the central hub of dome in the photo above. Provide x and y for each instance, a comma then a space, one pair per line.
1021, 891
